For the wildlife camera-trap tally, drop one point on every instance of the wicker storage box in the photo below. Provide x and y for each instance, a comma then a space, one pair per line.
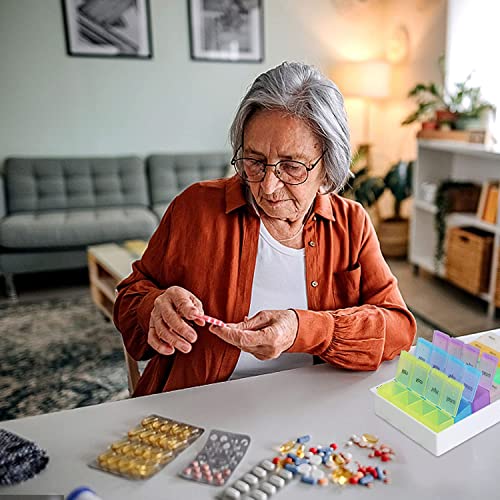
468, 258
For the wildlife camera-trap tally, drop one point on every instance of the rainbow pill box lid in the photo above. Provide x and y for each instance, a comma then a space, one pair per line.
436, 442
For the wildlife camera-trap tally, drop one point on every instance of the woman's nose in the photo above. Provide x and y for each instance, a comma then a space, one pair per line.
270, 182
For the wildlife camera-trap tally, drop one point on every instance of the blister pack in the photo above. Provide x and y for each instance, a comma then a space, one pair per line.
221, 454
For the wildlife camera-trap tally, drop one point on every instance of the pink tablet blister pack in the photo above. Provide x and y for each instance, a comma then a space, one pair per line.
221, 454
212, 321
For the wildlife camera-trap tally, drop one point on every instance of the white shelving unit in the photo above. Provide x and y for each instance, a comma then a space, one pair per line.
442, 160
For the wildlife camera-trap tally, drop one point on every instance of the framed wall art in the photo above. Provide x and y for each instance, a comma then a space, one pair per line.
226, 30
108, 28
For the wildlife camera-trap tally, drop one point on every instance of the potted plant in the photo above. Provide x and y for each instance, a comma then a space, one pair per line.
460, 108
367, 189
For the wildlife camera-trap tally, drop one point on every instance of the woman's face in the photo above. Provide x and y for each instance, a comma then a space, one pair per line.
272, 136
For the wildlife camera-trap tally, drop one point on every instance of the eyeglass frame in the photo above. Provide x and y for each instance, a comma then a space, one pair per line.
265, 165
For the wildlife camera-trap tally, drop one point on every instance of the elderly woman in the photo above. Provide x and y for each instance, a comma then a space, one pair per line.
293, 268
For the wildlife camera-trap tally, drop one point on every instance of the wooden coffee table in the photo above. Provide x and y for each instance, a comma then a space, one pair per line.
108, 265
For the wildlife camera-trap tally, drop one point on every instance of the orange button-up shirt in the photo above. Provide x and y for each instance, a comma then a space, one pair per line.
207, 243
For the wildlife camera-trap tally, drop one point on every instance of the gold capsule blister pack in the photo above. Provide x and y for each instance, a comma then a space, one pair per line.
147, 448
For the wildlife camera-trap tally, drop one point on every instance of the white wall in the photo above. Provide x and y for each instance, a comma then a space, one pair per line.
53, 104
475, 53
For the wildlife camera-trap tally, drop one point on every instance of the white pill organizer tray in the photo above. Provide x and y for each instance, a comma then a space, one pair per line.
436, 442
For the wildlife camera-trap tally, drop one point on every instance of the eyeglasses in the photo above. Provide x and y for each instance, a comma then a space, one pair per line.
287, 171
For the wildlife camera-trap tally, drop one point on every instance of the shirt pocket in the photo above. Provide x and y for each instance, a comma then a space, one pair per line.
347, 287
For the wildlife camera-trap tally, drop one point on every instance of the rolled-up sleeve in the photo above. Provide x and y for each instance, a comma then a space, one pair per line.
361, 337
138, 292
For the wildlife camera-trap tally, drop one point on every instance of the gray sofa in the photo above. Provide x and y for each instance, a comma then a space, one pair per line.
51, 209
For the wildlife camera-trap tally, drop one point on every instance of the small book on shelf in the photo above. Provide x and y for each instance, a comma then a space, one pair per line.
488, 202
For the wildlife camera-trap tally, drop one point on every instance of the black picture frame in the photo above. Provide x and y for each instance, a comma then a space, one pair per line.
124, 31
226, 31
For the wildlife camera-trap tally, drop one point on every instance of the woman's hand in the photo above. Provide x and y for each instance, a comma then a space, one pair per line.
266, 335
168, 329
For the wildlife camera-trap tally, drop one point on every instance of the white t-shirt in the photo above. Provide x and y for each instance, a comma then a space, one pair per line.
279, 282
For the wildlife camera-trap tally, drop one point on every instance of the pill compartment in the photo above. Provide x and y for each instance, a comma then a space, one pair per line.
420, 408
405, 399
437, 420
390, 390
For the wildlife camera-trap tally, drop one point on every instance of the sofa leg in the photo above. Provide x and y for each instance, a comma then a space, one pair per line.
10, 287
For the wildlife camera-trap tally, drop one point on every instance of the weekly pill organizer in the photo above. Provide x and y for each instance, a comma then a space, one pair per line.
444, 392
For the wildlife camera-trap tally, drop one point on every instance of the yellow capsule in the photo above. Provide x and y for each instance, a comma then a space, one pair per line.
119, 444
286, 447
166, 457
370, 438
124, 465
146, 422
103, 458
339, 460
341, 476
135, 431
300, 451
157, 425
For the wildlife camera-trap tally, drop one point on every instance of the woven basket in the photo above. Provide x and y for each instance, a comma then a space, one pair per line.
468, 258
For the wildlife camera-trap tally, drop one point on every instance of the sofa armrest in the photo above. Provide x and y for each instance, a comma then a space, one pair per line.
3, 199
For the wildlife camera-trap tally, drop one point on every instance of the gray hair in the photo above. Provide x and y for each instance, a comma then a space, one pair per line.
303, 91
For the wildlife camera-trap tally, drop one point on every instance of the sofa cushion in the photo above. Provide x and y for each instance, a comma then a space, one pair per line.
169, 174
38, 184
75, 228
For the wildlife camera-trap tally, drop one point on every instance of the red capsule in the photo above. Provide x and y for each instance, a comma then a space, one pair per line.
313, 450
353, 480
385, 457
377, 453
333, 446
276, 460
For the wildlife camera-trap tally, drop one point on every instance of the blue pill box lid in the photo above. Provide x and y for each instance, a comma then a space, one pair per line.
423, 350
454, 368
438, 358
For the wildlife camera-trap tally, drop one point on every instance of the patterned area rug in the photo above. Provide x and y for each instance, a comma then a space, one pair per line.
58, 354
61, 354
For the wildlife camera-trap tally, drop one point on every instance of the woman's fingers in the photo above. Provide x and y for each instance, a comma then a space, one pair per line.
157, 344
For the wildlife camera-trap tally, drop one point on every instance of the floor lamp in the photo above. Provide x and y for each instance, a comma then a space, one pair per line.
365, 80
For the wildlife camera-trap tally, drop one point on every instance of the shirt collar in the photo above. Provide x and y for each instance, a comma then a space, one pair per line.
235, 198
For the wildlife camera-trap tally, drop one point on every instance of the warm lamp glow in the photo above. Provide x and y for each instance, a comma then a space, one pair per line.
369, 79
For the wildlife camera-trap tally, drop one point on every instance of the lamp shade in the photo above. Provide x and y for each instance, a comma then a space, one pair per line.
363, 79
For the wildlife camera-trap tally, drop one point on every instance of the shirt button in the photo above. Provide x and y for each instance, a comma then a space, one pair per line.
312, 243
314, 284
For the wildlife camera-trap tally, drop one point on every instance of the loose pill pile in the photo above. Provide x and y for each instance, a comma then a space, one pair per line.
147, 448
221, 454
312, 465
322, 464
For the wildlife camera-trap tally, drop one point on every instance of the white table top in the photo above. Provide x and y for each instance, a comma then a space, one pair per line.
328, 403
